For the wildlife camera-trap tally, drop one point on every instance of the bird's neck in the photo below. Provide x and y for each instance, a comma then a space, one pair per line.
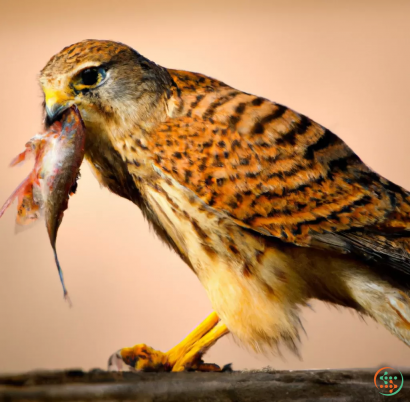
130, 126
141, 115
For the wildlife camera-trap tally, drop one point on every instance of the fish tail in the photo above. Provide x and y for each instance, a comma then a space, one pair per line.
68, 300
60, 273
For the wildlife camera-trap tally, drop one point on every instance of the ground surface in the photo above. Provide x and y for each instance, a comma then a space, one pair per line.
265, 385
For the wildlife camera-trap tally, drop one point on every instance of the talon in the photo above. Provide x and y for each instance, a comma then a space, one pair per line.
227, 368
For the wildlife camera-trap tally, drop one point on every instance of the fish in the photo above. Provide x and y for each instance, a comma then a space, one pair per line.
58, 154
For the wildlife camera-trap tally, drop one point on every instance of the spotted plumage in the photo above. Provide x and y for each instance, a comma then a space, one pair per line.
266, 206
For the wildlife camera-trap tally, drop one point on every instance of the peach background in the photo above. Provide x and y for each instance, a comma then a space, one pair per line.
345, 64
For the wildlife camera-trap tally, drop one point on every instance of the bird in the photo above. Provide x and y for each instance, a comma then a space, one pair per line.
267, 207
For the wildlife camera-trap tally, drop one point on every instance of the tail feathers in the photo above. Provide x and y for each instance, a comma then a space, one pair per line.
394, 313
401, 305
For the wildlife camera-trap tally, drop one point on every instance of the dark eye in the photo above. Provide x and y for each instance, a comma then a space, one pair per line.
92, 76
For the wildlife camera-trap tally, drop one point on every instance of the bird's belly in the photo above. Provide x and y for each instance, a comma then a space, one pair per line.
250, 284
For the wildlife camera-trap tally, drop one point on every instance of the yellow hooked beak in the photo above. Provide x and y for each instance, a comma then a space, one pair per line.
56, 102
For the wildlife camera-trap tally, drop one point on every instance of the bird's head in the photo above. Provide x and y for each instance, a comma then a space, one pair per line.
100, 78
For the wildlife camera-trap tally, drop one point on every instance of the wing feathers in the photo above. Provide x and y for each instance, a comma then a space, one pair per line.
279, 173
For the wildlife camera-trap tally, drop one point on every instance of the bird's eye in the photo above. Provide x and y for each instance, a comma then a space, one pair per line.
90, 77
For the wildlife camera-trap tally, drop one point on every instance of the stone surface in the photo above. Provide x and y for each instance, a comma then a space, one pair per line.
265, 385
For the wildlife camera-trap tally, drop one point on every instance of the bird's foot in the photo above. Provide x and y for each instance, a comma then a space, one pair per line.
138, 358
144, 358
186, 356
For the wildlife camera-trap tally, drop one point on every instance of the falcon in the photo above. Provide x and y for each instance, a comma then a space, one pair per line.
267, 207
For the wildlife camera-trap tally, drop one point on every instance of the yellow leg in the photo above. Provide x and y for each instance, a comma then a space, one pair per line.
187, 355
194, 355
180, 350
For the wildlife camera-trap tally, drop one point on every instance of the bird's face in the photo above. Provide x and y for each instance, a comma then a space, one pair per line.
80, 87
99, 77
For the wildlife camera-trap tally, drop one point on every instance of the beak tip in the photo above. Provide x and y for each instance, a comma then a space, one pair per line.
49, 112
55, 111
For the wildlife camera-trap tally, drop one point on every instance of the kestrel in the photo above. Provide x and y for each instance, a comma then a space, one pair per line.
267, 207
